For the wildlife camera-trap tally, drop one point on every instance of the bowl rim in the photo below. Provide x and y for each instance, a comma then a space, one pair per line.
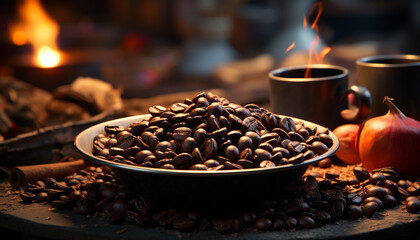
89, 133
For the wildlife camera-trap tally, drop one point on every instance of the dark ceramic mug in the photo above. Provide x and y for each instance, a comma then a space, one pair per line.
321, 98
395, 76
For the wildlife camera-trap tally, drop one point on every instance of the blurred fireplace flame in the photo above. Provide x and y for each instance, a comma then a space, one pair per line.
36, 27
316, 52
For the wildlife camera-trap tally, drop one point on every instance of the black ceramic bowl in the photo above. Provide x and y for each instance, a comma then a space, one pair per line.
224, 189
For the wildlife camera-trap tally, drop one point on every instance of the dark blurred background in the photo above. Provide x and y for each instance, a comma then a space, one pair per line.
151, 47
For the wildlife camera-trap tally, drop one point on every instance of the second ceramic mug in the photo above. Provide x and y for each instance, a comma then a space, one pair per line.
395, 76
320, 98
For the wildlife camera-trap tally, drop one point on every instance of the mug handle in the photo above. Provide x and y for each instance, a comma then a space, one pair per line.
359, 112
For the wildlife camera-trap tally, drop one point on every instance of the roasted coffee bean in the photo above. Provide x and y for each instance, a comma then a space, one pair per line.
215, 109
370, 208
297, 206
27, 197
261, 155
242, 112
220, 133
231, 166
163, 146
263, 224
202, 102
414, 189
112, 142
210, 148
41, 197
211, 163
250, 124
245, 163
188, 145
181, 133
167, 166
141, 155
267, 146
285, 143
113, 129
116, 151
403, 184
244, 142
392, 186
297, 159
224, 145
273, 121
198, 166
361, 173
196, 155
389, 201
326, 139
377, 178
234, 136
222, 159
295, 147
224, 122
282, 133
354, 212
378, 192
156, 110
319, 147
200, 135
268, 136
276, 157
402, 193
285, 153
412, 204
322, 216
294, 136
279, 223
255, 139
213, 123
232, 152
222, 225
376, 200
290, 220
267, 164
182, 158
308, 154
336, 208
178, 107
197, 112
288, 124
304, 133
306, 222
246, 154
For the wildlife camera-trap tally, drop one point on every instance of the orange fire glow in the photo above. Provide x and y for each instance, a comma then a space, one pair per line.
316, 52
36, 27
290, 47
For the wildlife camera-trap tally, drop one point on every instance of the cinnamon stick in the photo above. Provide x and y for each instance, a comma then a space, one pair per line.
21, 175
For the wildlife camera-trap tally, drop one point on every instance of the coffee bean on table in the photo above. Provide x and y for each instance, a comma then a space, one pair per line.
354, 211
378, 192
263, 224
412, 204
306, 222
370, 208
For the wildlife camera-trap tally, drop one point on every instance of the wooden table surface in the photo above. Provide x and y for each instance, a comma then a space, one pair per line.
40, 221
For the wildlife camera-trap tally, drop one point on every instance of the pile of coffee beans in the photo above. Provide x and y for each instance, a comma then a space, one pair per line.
324, 195
210, 133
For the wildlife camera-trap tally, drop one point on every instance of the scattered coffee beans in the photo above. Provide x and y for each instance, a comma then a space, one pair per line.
324, 195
